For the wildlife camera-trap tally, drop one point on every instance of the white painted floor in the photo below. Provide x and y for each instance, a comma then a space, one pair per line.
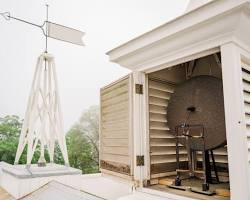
142, 196
107, 187
112, 188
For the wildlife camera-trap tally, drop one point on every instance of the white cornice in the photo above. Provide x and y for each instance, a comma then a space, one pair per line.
200, 30
194, 4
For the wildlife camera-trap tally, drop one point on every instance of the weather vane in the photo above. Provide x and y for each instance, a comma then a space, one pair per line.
43, 122
52, 30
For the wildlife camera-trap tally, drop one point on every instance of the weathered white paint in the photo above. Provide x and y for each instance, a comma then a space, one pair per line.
43, 121
115, 122
116, 125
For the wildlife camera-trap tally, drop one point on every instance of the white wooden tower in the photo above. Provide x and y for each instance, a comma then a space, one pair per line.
43, 124
43, 119
42, 128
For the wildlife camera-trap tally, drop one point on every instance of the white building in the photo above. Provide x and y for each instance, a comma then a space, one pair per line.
214, 35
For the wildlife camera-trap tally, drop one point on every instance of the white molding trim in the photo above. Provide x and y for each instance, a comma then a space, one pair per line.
176, 25
147, 151
206, 28
131, 124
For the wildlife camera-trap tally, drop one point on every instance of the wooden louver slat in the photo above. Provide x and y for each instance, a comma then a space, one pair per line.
246, 96
162, 143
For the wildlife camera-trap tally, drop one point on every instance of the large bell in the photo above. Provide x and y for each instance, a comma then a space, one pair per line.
199, 100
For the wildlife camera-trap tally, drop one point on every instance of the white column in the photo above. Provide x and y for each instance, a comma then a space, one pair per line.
139, 127
235, 126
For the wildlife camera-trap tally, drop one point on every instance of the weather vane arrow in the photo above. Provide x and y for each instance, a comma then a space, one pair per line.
52, 30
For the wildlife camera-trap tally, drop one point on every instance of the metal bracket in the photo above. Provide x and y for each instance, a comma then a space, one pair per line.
190, 66
217, 59
139, 160
138, 88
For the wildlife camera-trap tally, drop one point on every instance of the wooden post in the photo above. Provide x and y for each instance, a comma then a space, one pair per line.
234, 118
139, 127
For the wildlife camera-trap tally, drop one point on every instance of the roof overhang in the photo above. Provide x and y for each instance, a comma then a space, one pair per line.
194, 4
199, 32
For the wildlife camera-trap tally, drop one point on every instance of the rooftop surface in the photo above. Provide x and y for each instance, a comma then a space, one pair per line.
51, 191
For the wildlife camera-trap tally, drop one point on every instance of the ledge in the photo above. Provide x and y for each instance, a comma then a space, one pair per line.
22, 172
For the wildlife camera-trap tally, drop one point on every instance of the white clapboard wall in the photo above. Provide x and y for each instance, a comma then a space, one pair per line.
115, 127
162, 143
246, 92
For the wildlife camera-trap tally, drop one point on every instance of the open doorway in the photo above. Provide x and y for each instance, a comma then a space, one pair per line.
164, 166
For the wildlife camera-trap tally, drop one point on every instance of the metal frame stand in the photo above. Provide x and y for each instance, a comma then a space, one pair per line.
183, 132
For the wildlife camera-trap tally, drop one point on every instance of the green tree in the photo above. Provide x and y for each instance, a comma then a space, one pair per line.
89, 123
10, 126
83, 142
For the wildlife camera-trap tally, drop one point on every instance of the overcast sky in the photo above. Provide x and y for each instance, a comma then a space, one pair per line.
82, 71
